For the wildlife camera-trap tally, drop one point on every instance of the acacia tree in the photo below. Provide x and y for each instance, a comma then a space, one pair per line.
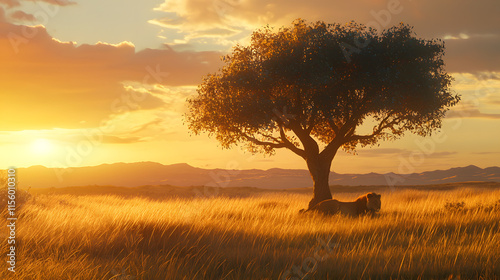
311, 86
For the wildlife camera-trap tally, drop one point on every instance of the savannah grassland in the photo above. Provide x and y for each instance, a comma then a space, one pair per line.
419, 234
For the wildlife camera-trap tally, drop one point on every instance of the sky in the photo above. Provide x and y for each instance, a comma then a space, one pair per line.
90, 82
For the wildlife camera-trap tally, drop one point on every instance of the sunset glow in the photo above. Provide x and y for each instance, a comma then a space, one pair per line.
42, 146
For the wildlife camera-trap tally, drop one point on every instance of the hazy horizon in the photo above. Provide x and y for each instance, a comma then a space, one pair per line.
237, 168
185, 175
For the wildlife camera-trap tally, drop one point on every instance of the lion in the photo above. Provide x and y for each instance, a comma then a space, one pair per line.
365, 204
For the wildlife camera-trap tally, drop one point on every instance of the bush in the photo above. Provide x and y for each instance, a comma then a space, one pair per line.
454, 206
460, 207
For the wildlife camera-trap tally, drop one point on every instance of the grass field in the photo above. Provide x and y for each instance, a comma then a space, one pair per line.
452, 233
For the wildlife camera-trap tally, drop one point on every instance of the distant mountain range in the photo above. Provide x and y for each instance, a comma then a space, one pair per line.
150, 173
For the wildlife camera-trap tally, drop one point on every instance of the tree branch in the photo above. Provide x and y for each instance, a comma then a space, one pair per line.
346, 127
384, 123
290, 145
277, 140
310, 145
285, 144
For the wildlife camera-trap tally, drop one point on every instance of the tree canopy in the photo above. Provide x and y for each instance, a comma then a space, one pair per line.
310, 86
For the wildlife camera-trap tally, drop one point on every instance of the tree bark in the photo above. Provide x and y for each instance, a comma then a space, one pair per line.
319, 168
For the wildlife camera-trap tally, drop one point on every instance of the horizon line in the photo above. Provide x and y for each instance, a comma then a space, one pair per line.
184, 163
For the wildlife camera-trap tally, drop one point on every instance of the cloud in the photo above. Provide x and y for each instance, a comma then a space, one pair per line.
22, 16
380, 152
2, 15
387, 153
196, 13
17, 3
485, 153
217, 22
130, 127
479, 95
484, 76
57, 2
120, 140
66, 137
146, 126
494, 100
471, 113
201, 32
475, 54
432, 19
442, 154
472, 109
54, 84
10, 3
397, 153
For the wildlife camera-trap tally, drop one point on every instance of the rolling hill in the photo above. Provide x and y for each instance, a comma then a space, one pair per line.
150, 173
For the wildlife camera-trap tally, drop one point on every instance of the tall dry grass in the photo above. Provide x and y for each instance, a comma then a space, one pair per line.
418, 235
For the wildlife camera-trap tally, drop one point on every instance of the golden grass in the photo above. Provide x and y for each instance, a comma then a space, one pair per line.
260, 237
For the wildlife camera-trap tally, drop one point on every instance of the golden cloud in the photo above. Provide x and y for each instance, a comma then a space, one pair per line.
53, 84
22, 16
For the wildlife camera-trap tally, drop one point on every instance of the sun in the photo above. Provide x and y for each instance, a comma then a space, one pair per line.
42, 146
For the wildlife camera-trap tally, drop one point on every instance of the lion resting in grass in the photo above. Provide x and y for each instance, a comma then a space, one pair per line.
365, 204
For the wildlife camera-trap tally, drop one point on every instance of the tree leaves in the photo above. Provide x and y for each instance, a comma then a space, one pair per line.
392, 77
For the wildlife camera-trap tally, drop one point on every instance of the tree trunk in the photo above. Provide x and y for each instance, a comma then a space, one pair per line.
320, 173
